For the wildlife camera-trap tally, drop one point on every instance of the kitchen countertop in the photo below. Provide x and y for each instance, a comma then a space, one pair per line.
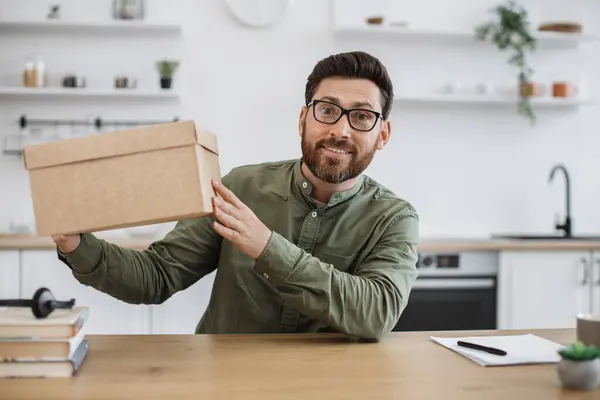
403, 365
32, 242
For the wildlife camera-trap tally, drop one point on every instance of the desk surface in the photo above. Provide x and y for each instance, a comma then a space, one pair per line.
34, 242
403, 365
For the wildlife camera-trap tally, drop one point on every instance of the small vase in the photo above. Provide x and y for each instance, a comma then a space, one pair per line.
531, 89
165, 83
579, 374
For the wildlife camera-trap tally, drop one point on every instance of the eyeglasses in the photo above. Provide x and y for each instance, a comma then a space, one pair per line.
330, 113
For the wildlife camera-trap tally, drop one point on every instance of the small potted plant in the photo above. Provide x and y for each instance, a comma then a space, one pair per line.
579, 367
54, 12
512, 32
166, 70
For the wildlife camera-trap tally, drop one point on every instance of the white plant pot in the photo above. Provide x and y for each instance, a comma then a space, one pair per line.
579, 374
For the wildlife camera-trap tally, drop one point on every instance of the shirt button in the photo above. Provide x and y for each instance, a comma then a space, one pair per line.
314, 214
304, 185
266, 275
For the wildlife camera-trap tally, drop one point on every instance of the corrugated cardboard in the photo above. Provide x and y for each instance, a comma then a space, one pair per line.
134, 177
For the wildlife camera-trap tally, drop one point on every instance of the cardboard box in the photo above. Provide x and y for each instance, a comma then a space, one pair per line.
141, 176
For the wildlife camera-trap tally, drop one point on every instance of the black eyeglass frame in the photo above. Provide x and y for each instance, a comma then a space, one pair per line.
345, 112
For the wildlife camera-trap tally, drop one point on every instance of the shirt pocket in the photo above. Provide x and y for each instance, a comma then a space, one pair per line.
341, 262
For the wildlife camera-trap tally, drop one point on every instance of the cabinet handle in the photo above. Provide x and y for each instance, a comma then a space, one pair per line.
597, 261
584, 262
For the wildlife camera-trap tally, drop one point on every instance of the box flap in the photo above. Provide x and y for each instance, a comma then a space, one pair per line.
104, 145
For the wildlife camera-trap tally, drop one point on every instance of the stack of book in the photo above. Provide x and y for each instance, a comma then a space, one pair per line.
52, 347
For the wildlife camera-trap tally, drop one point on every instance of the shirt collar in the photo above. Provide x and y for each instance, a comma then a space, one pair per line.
305, 187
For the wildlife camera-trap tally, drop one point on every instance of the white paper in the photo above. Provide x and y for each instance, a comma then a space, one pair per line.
520, 349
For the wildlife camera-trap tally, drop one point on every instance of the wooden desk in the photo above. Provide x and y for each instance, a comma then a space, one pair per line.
402, 366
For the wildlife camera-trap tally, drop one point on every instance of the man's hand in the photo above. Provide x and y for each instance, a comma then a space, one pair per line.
67, 243
237, 223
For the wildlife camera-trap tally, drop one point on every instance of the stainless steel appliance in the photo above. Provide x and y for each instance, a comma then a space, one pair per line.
454, 291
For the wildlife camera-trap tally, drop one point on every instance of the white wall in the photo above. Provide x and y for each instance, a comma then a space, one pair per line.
468, 170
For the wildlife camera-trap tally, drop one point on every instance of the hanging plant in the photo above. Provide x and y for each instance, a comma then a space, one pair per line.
511, 32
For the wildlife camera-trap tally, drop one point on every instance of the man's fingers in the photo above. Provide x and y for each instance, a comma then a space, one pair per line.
227, 195
226, 207
226, 213
224, 218
225, 231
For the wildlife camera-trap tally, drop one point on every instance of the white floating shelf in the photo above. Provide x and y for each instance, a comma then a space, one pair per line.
544, 38
490, 100
33, 26
84, 92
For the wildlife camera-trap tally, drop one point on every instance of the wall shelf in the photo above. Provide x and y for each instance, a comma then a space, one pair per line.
13, 92
482, 100
545, 39
33, 26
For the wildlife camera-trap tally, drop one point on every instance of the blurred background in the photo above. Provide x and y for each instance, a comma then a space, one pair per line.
459, 151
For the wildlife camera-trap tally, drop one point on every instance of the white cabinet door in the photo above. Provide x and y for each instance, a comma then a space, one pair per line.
9, 274
107, 314
181, 313
543, 289
595, 266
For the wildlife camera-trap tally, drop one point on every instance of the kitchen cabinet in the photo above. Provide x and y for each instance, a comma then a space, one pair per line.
107, 314
181, 313
178, 315
546, 289
594, 282
9, 274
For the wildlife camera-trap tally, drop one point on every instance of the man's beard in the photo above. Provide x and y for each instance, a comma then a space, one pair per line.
332, 170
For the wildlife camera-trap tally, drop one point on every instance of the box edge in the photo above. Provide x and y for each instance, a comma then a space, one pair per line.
42, 165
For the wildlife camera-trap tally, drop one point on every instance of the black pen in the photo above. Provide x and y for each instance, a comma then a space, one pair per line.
490, 350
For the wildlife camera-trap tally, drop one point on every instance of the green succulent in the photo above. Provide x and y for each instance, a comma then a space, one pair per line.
579, 352
166, 68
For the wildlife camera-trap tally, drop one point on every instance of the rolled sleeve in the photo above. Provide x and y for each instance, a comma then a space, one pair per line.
86, 257
277, 259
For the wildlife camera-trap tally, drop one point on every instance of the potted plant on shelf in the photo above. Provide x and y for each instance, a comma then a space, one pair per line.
54, 12
166, 70
579, 367
512, 32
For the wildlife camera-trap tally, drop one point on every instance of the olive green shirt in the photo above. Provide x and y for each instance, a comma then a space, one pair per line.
347, 266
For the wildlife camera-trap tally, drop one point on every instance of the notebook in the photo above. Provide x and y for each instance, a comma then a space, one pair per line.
520, 349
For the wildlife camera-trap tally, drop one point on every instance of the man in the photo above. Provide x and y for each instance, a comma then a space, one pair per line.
308, 245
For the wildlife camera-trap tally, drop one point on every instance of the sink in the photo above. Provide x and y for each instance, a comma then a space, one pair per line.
541, 236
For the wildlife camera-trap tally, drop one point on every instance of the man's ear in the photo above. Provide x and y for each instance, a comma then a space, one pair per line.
301, 120
384, 134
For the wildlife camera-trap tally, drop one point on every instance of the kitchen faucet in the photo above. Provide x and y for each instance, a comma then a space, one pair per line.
566, 226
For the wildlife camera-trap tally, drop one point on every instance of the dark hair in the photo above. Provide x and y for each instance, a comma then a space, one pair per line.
354, 64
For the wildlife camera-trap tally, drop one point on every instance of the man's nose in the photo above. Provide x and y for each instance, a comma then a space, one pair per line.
342, 128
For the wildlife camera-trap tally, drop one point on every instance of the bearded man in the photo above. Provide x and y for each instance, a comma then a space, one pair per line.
305, 245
